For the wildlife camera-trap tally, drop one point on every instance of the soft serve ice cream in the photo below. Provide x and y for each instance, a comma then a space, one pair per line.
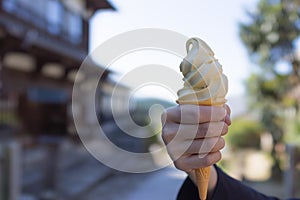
204, 81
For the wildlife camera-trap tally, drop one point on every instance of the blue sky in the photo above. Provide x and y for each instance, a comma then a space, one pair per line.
214, 21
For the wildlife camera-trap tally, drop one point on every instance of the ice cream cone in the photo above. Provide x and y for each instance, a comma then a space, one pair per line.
202, 178
204, 84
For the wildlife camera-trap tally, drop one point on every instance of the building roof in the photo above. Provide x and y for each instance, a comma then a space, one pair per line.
99, 4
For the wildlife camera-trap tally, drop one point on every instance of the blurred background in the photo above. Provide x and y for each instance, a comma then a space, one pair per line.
44, 42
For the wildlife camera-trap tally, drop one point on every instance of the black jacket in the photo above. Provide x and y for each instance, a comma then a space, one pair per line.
223, 191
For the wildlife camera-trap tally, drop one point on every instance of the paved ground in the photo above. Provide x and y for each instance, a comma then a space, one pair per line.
161, 185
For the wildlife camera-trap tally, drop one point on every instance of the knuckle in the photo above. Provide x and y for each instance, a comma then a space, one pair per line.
207, 161
218, 156
225, 128
212, 158
215, 128
219, 145
179, 164
223, 113
218, 128
222, 143
218, 114
228, 109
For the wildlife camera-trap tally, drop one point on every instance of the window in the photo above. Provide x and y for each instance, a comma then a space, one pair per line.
27, 3
9, 5
50, 15
73, 27
36, 10
54, 15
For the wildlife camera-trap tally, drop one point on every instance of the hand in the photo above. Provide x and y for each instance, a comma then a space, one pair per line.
193, 134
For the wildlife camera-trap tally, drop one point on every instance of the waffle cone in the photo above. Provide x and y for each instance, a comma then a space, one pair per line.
202, 178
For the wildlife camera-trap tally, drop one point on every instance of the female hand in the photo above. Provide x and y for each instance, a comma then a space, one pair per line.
193, 134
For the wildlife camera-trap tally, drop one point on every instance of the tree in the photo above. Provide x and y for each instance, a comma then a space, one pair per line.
270, 38
244, 133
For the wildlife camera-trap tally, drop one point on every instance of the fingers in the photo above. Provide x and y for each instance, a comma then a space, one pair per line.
193, 134
178, 149
227, 117
197, 131
205, 130
189, 163
194, 114
205, 146
228, 110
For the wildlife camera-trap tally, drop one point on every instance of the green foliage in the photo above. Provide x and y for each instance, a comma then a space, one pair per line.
273, 28
244, 133
270, 38
262, 89
292, 135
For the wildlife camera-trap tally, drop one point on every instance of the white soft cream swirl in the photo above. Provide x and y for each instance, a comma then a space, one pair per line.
204, 81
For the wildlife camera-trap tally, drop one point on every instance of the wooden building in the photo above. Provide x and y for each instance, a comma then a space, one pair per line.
42, 45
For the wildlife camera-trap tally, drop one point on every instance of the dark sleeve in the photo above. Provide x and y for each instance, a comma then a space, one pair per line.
188, 191
227, 188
